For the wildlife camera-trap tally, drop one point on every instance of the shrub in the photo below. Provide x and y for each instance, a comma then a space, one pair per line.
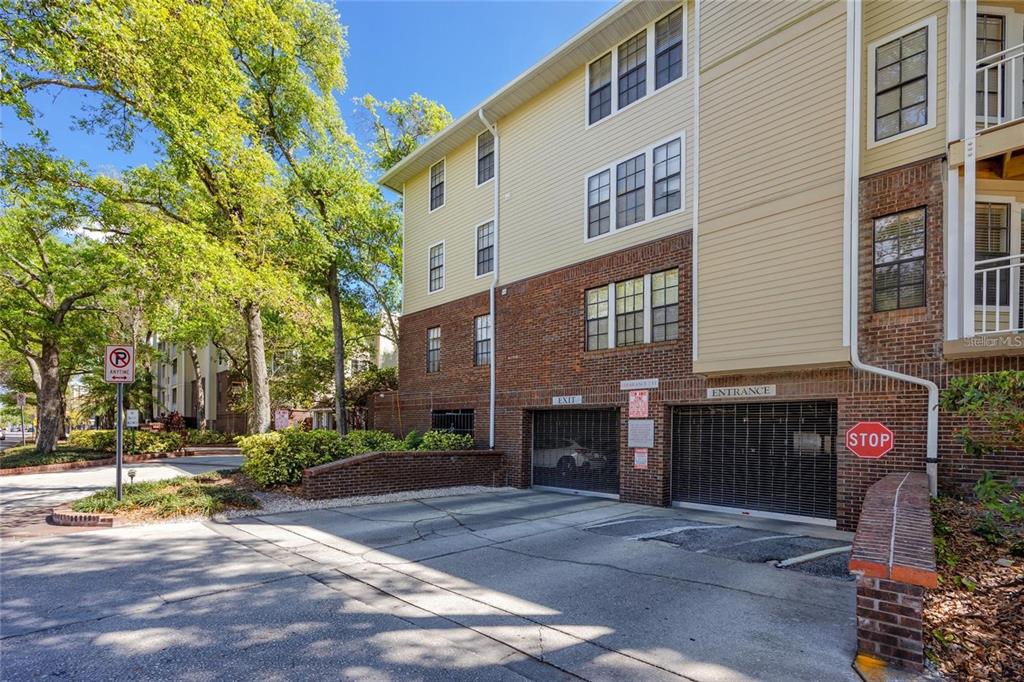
412, 440
139, 441
208, 437
281, 456
204, 495
446, 440
360, 442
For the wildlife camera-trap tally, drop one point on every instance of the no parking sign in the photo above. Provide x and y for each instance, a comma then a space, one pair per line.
119, 365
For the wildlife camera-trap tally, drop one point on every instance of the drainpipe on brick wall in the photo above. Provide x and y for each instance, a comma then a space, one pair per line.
851, 232
494, 279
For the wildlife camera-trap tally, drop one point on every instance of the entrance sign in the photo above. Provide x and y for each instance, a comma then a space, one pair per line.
119, 365
567, 400
131, 419
762, 391
634, 384
870, 440
640, 458
641, 433
638, 402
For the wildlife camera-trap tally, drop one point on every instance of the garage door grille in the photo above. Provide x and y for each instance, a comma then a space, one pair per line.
577, 449
776, 457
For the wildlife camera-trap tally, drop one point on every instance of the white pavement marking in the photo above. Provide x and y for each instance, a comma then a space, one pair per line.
672, 531
792, 561
747, 542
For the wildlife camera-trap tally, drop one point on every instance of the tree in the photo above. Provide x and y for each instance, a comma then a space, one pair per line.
400, 126
54, 277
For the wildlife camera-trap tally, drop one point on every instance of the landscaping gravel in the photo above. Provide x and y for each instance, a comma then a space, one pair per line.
276, 503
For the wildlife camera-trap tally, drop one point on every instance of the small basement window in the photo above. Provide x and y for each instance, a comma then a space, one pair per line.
456, 421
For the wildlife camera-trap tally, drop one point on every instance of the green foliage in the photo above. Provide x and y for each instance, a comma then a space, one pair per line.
994, 406
28, 456
208, 437
401, 126
280, 457
446, 440
361, 442
204, 495
145, 442
412, 440
1004, 506
374, 380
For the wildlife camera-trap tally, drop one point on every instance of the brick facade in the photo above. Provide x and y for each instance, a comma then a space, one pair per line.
540, 354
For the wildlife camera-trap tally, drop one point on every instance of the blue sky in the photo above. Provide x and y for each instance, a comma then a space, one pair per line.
457, 53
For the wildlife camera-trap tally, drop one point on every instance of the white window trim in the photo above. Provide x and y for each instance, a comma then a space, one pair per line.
476, 249
489, 338
649, 216
1014, 238
651, 69
648, 310
444, 267
476, 165
932, 24
1013, 30
444, 192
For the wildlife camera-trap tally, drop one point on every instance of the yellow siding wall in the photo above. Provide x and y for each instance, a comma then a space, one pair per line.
882, 18
546, 154
771, 183
730, 26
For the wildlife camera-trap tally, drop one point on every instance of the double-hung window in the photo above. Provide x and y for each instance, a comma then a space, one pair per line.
899, 272
633, 69
437, 267
668, 49
667, 176
629, 191
482, 340
992, 240
597, 318
600, 95
629, 312
485, 248
599, 202
437, 185
484, 157
903, 82
434, 349
665, 305
990, 40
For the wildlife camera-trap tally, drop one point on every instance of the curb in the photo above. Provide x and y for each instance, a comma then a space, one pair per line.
107, 461
66, 516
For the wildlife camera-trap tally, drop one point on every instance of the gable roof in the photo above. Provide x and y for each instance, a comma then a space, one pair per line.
601, 35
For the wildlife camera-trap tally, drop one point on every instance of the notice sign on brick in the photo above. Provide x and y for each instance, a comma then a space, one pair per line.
119, 365
640, 458
638, 402
641, 433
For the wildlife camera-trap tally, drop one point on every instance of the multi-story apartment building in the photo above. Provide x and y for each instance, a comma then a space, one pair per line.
175, 387
774, 220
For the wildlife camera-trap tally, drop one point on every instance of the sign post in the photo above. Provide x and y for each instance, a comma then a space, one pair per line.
21, 404
119, 368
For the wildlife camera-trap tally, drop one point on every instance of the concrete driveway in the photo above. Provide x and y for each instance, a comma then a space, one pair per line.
27, 498
502, 585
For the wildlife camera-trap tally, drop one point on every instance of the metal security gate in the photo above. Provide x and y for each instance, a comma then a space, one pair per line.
773, 457
577, 449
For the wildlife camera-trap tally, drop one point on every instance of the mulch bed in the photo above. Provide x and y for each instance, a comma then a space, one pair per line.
974, 620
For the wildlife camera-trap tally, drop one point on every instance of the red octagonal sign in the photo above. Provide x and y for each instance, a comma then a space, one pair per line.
869, 439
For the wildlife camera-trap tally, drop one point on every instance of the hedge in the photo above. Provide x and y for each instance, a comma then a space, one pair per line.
138, 441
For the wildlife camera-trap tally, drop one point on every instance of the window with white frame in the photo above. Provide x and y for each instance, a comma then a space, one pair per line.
668, 49
899, 272
629, 312
902, 82
482, 340
484, 157
597, 318
659, 167
990, 40
434, 349
665, 305
485, 248
437, 185
992, 240
600, 95
437, 267
656, 55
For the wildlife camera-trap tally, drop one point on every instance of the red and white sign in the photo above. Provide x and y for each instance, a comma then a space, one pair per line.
640, 458
638, 402
119, 365
870, 440
21, 400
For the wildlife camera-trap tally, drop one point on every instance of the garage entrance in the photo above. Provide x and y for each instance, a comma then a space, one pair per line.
773, 457
576, 450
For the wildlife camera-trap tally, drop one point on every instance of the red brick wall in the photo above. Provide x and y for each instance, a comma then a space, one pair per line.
540, 353
379, 473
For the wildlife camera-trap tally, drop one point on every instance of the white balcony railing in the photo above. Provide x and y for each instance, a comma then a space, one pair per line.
1000, 86
997, 295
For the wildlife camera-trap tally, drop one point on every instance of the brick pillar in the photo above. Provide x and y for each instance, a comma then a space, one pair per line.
889, 615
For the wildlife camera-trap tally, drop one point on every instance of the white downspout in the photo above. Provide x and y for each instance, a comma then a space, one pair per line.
494, 279
851, 230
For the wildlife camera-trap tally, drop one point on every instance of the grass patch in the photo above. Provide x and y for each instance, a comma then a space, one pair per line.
28, 456
202, 495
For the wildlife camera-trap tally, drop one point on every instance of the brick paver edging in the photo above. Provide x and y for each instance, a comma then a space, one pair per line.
66, 516
85, 464
893, 556
380, 473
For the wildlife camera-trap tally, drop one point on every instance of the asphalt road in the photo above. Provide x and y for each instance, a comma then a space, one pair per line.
502, 585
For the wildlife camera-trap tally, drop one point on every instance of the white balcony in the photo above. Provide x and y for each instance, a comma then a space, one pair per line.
997, 295
1000, 88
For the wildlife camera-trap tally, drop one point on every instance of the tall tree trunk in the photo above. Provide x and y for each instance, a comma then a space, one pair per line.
200, 387
339, 351
49, 399
258, 379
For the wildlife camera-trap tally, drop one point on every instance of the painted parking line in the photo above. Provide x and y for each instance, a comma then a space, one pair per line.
747, 542
672, 531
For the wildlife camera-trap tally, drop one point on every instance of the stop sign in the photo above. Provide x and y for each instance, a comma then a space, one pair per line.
869, 439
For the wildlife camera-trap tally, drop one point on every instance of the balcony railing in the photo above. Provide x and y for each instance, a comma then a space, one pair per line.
998, 295
1000, 87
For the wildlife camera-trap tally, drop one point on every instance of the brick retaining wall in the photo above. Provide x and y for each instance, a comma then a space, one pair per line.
894, 557
379, 473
